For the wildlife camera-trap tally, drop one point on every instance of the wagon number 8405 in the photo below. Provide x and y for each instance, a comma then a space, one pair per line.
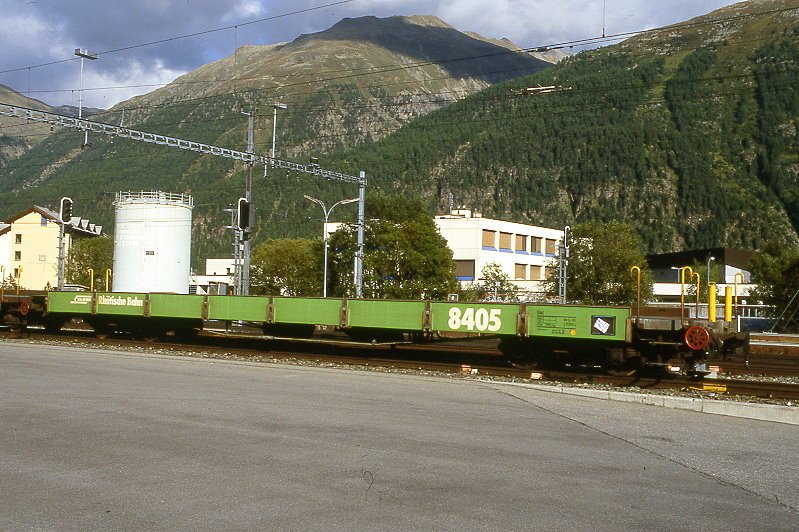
480, 319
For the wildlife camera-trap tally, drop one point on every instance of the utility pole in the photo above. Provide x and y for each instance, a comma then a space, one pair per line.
245, 270
563, 262
361, 221
64, 216
236, 250
83, 54
276, 105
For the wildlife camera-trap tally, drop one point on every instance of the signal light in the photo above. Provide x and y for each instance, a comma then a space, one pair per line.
243, 221
65, 210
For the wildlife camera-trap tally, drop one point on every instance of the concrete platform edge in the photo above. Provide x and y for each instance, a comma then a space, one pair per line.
764, 412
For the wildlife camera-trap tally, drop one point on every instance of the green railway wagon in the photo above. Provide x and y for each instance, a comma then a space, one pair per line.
543, 321
583, 333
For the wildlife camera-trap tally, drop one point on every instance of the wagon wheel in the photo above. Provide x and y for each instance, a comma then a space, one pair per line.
103, 331
523, 360
624, 368
696, 338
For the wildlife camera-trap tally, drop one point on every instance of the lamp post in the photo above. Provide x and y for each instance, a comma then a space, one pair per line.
327, 212
709, 259
276, 106
83, 54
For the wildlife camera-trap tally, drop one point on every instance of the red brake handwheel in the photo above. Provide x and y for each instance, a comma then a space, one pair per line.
696, 337
24, 307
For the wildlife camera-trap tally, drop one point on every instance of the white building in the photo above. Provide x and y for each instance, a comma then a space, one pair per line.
218, 278
523, 252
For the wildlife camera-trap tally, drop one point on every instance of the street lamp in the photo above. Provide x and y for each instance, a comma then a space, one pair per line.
83, 54
711, 258
276, 106
324, 230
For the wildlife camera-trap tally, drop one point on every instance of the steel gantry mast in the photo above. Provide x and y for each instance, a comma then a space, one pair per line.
248, 157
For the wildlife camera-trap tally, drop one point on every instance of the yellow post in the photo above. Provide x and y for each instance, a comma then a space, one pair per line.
727, 303
19, 276
682, 290
637, 271
107, 278
696, 275
91, 280
735, 279
711, 302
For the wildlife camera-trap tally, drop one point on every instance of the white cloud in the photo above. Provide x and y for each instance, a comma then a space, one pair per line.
245, 9
104, 90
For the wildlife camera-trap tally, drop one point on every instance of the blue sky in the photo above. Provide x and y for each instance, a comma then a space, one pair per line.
35, 32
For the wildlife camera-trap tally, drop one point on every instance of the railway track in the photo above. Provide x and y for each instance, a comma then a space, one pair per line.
454, 358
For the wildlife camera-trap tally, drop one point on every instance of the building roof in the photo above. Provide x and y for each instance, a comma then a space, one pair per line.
76, 224
737, 258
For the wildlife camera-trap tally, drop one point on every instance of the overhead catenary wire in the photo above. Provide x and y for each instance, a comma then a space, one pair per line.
434, 100
494, 117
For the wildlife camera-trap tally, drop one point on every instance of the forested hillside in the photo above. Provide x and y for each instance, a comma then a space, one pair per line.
689, 134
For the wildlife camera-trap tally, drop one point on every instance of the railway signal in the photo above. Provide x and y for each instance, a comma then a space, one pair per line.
65, 210
64, 216
243, 218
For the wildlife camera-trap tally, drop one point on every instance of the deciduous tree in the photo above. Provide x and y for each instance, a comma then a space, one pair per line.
601, 255
405, 255
89, 253
289, 267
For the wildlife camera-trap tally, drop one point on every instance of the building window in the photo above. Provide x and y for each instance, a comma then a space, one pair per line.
16, 273
43, 223
550, 247
18, 238
42, 258
504, 241
17, 255
542, 274
521, 243
489, 239
464, 270
521, 272
536, 245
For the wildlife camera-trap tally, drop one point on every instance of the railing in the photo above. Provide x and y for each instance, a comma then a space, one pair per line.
155, 195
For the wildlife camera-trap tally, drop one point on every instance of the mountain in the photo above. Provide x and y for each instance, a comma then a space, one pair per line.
71, 110
360, 72
688, 132
16, 138
356, 82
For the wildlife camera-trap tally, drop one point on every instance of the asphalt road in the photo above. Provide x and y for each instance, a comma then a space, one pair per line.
94, 439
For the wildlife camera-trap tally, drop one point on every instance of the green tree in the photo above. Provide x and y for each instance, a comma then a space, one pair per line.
493, 285
601, 255
775, 270
89, 253
290, 267
405, 255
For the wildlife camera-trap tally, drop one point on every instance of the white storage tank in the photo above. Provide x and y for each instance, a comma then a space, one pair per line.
152, 242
